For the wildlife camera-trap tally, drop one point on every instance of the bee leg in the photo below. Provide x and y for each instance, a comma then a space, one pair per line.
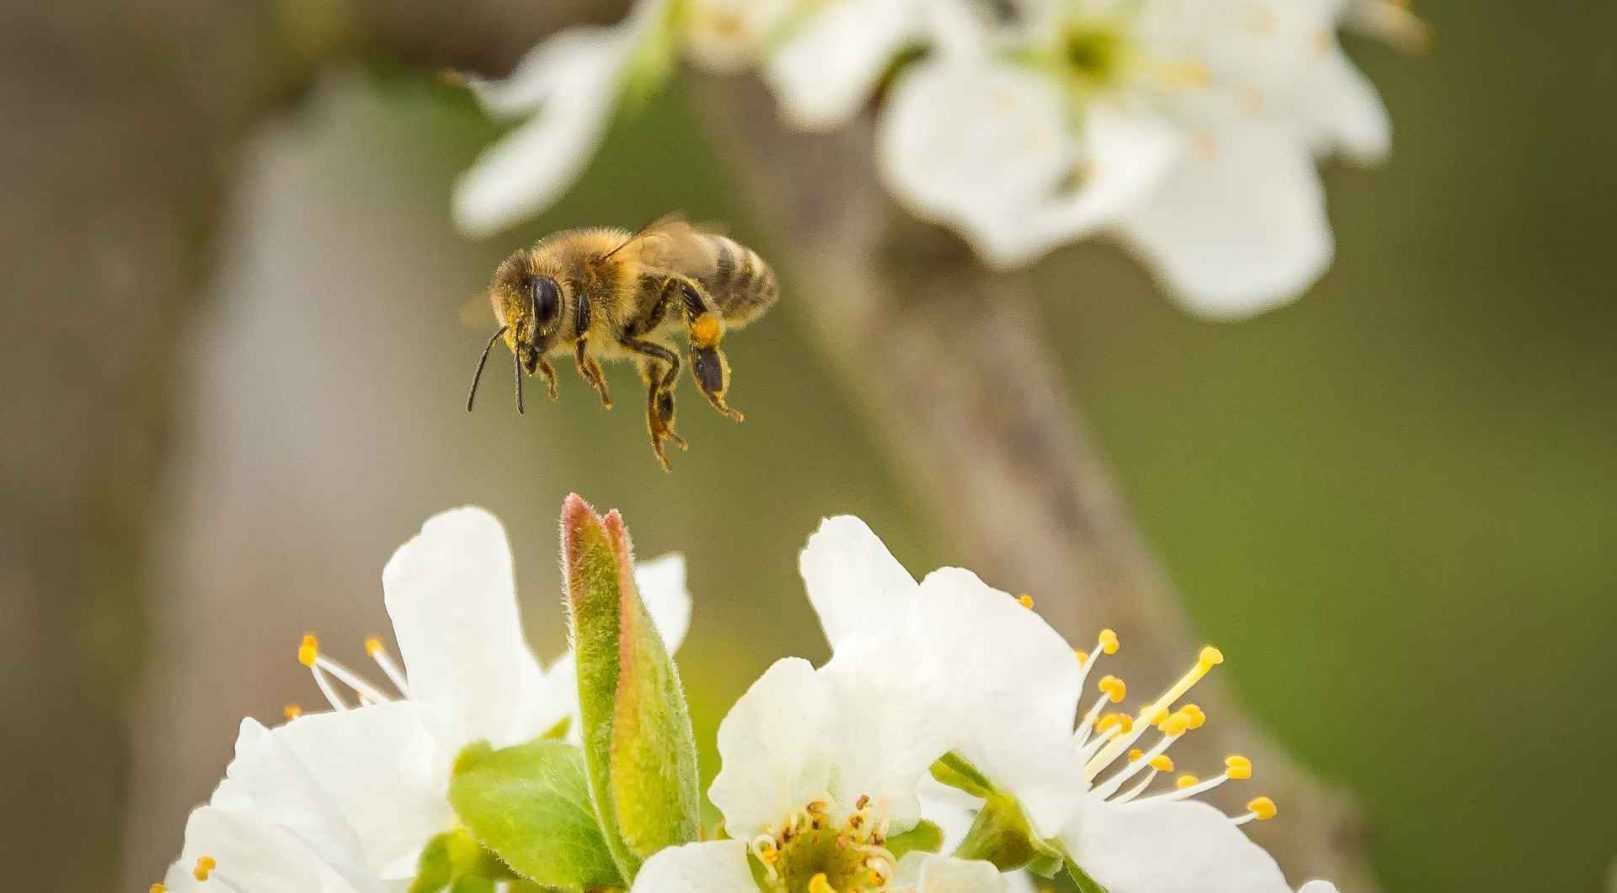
591, 371
549, 373
705, 327
659, 369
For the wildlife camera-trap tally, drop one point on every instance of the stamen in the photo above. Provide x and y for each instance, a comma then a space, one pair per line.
204, 867
1186, 781
291, 712
320, 665
378, 653
1025, 601
1209, 658
1153, 758
818, 884
1138, 789
157, 888
1237, 767
1260, 809
1105, 643
309, 656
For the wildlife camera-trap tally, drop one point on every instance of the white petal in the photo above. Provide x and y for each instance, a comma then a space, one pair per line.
941, 874
1124, 154
384, 773
975, 145
770, 747
269, 781
856, 586
1342, 111
1008, 686
255, 855
452, 597
716, 866
661, 582
1317, 887
827, 69
1169, 847
530, 167
1239, 226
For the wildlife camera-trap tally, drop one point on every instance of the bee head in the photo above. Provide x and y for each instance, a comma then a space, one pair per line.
528, 302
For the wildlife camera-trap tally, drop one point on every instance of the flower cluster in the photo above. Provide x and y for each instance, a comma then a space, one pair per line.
1188, 129
945, 747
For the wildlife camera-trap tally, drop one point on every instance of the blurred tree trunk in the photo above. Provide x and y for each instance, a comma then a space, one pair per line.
954, 369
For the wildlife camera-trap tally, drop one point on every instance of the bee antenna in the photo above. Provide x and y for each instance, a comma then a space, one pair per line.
478, 375
516, 367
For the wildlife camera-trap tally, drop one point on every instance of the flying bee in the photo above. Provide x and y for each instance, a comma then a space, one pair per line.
609, 294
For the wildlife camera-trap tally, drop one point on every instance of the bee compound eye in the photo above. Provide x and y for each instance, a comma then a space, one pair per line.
546, 298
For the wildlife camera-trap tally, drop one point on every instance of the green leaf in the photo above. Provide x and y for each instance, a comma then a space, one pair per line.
638, 744
925, 837
530, 805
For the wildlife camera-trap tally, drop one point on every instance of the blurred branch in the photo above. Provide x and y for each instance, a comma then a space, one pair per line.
953, 367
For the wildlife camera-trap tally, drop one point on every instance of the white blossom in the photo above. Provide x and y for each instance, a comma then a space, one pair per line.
1187, 129
346, 799
1010, 697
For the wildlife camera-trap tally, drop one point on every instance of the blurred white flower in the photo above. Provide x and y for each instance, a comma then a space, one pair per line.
568, 86
1189, 129
353, 794
732, 35
1008, 695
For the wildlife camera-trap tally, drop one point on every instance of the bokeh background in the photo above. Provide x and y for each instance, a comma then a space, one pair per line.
1394, 504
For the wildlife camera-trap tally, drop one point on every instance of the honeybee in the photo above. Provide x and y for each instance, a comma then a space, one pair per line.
609, 294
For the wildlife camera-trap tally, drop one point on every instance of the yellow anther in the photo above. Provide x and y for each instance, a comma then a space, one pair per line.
291, 711
1263, 808
1083, 657
1186, 781
1025, 601
818, 884
1162, 763
1114, 688
1108, 641
1194, 716
1120, 721
1210, 657
1174, 725
373, 646
1237, 767
157, 888
1135, 754
204, 868
309, 650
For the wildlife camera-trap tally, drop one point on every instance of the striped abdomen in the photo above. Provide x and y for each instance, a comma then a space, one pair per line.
741, 283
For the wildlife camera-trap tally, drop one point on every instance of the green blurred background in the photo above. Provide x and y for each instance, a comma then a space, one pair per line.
1393, 503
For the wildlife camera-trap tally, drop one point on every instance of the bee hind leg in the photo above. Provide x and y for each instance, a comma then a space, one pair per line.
659, 368
704, 325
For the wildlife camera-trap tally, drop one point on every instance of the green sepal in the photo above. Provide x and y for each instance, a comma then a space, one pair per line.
1001, 833
925, 837
1083, 881
638, 744
452, 856
530, 805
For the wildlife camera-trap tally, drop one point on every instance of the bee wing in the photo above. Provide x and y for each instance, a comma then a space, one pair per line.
673, 243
